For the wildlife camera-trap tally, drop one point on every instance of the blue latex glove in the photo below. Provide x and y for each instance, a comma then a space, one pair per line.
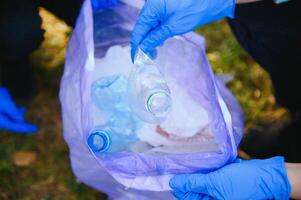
252, 179
11, 117
103, 4
162, 19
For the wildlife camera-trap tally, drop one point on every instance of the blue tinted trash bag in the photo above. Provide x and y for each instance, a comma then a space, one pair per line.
117, 150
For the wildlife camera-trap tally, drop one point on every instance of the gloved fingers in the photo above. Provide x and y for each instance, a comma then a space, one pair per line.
12, 112
155, 38
184, 196
22, 110
269, 161
178, 194
206, 197
9, 108
195, 196
103, 4
21, 117
23, 128
17, 127
109, 2
238, 160
191, 183
177, 183
190, 196
146, 21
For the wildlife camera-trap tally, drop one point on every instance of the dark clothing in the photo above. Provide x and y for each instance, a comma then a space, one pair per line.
20, 24
21, 34
271, 34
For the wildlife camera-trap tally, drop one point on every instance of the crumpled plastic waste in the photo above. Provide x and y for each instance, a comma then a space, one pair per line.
118, 132
110, 95
149, 95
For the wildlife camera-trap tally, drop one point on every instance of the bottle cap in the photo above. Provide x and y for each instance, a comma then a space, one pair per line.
99, 141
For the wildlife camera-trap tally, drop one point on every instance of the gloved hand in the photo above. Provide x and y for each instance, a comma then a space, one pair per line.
103, 4
162, 19
11, 117
251, 179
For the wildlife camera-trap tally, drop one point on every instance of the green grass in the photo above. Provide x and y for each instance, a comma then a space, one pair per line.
50, 176
251, 84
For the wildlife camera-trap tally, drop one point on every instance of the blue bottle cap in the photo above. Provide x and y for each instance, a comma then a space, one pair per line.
99, 141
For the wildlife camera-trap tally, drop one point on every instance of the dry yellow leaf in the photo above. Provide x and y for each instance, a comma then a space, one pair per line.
24, 158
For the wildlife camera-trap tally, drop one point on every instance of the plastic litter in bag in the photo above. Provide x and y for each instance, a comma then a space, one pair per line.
115, 150
109, 94
149, 95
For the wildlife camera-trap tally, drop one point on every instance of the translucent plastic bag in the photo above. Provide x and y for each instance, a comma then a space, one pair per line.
114, 150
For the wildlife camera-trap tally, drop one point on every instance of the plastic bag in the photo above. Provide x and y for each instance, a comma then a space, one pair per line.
200, 134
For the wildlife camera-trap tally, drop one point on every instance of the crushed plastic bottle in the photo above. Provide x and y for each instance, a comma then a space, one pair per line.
149, 95
124, 123
109, 94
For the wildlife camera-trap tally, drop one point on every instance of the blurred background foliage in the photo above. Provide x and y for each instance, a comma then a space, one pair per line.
37, 166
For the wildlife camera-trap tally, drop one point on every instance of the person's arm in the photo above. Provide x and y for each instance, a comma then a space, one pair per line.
294, 176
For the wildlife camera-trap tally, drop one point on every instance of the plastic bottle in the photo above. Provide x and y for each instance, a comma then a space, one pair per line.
109, 93
117, 135
119, 132
149, 95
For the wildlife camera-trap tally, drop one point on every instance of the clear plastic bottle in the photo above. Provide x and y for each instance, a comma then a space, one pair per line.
119, 134
149, 95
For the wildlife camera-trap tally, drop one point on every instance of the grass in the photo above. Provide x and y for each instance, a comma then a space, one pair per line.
251, 84
49, 176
